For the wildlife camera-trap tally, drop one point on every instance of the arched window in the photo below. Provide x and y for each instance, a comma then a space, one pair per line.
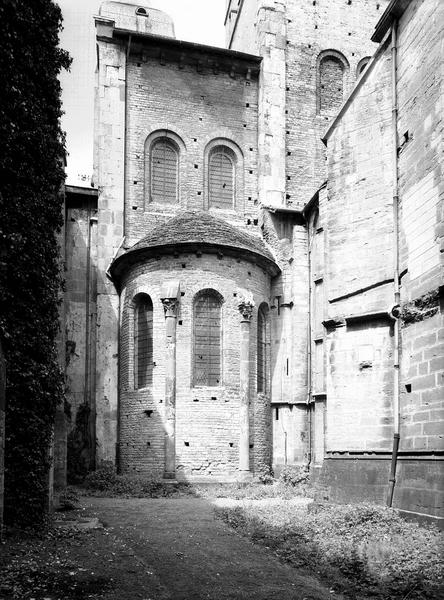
163, 171
207, 339
263, 349
331, 84
221, 177
143, 341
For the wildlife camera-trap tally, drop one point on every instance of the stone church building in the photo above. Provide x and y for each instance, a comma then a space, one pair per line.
255, 278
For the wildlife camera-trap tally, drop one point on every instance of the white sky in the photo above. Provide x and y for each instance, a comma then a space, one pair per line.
200, 21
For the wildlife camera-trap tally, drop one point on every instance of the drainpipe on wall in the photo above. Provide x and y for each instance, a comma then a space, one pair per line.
395, 312
309, 353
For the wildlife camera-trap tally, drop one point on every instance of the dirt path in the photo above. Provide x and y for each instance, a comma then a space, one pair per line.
191, 555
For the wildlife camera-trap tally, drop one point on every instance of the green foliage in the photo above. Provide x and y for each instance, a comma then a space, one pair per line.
105, 481
79, 446
358, 547
265, 475
294, 475
31, 176
69, 499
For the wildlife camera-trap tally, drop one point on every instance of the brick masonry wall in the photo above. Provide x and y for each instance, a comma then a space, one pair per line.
207, 426
422, 385
198, 107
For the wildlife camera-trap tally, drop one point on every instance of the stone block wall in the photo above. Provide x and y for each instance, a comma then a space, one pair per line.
109, 159
207, 418
361, 249
421, 191
358, 220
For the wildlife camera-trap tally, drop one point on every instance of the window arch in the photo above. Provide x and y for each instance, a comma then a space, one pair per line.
162, 170
263, 349
224, 175
362, 65
221, 178
143, 341
331, 75
207, 350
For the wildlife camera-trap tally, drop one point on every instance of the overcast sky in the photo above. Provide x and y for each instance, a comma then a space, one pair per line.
199, 21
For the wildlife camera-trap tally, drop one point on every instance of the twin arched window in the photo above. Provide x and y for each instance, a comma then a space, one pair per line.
207, 369
223, 177
143, 341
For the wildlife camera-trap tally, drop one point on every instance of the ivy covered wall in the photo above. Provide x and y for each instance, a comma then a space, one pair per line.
31, 177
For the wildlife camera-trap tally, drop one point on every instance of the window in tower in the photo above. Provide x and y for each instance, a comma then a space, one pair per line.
164, 166
330, 83
221, 178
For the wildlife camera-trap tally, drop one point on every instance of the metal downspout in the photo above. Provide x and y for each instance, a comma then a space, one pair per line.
395, 310
309, 357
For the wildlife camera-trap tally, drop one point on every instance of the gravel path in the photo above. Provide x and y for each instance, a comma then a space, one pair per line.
191, 555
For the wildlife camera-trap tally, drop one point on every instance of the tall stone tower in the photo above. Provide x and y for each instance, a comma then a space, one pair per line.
313, 52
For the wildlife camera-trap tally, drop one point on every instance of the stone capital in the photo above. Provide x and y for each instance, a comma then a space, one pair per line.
170, 306
246, 310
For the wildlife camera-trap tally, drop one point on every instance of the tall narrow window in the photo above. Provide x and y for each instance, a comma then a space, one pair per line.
164, 165
263, 349
221, 173
143, 341
207, 338
331, 84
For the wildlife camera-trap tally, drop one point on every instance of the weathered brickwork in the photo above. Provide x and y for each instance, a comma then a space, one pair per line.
203, 107
207, 418
313, 30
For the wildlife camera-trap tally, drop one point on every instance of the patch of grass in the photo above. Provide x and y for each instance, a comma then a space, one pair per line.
250, 491
361, 548
105, 482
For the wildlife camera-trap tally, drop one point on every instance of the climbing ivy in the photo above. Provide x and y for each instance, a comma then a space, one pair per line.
31, 177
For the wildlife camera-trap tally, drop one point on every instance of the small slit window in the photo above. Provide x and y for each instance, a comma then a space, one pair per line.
207, 339
143, 341
164, 166
221, 174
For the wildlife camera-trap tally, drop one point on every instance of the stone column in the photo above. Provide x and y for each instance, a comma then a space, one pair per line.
246, 310
170, 306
